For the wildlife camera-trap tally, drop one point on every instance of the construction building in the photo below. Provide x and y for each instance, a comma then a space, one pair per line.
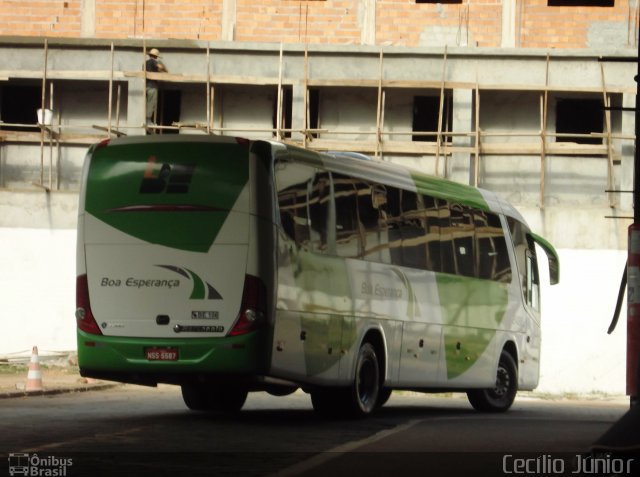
523, 97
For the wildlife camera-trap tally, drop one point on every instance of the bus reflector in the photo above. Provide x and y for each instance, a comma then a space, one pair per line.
84, 317
252, 308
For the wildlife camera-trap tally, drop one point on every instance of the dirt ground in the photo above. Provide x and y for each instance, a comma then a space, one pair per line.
58, 376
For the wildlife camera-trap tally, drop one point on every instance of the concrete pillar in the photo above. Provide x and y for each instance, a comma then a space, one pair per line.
136, 105
297, 110
367, 15
88, 18
509, 16
228, 20
461, 164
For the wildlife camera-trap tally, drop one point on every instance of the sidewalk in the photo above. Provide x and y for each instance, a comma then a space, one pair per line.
57, 378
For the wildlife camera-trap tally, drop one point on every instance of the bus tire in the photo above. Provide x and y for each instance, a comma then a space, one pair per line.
195, 397
383, 397
366, 386
501, 397
228, 399
202, 397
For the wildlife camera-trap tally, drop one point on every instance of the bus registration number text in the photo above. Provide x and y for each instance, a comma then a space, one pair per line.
161, 354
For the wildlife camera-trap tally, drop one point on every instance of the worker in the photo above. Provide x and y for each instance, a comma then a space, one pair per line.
154, 65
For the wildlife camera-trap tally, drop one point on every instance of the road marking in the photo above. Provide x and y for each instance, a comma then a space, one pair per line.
84, 440
326, 456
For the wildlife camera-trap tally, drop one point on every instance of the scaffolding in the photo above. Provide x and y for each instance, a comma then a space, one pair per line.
52, 135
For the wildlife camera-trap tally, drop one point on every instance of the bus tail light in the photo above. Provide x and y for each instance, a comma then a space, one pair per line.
253, 307
84, 317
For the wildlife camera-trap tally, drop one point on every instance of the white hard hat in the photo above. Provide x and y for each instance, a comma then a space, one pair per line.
154, 52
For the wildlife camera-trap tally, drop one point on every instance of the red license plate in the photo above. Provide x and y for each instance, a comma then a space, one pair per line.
161, 354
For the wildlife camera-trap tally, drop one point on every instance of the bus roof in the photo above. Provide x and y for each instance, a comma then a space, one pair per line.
361, 166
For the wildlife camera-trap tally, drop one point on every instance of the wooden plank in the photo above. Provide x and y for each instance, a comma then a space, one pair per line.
64, 74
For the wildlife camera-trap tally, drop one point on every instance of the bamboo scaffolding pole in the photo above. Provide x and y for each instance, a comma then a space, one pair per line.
440, 109
51, 136
42, 106
208, 103
380, 143
212, 106
446, 134
144, 76
118, 95
606, 100
110, 92
305, 111
379, 105
543, 132
279, 106
476, 151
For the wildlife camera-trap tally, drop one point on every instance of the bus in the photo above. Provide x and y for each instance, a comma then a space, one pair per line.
226, 266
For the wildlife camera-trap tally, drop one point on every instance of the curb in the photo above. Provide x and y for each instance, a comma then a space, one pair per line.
56, 391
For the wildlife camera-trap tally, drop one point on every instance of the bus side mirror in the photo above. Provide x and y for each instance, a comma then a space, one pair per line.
552, 256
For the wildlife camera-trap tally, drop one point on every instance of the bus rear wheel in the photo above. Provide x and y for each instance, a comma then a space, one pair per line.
501, 397
365, 390
359, 399
204, 397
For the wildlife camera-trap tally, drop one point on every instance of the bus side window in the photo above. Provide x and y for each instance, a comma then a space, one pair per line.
319, 193
525, 253
492, 260
432, 230
414, 253
348, 243
447, 257
391, 225
303, 202
462, 228
533, 282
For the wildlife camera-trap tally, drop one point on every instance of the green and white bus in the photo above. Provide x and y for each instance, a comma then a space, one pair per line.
226, 266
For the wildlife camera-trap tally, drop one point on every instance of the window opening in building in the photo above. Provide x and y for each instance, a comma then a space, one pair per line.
579, 116
314, 110
19, 105
169, 109
580, 3
287, 109
426, 111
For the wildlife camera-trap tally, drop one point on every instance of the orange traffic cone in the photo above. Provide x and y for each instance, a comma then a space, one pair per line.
34, 377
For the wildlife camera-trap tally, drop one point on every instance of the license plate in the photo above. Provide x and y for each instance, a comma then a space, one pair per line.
161, 354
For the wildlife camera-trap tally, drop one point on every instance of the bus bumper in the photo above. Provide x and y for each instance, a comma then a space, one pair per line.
125, 359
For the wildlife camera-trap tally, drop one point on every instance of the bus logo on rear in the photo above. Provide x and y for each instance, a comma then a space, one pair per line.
201, 288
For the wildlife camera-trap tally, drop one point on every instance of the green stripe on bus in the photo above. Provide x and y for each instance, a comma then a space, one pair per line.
449, 190
472, 311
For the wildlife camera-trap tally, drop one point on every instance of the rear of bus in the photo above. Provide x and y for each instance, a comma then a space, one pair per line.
168, 286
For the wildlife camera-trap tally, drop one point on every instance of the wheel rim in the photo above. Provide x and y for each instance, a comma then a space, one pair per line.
367, 382
503, 383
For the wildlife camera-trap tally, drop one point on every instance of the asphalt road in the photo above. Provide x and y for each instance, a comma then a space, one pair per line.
144, 431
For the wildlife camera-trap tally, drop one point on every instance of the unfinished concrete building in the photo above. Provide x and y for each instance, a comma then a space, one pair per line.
508, 95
